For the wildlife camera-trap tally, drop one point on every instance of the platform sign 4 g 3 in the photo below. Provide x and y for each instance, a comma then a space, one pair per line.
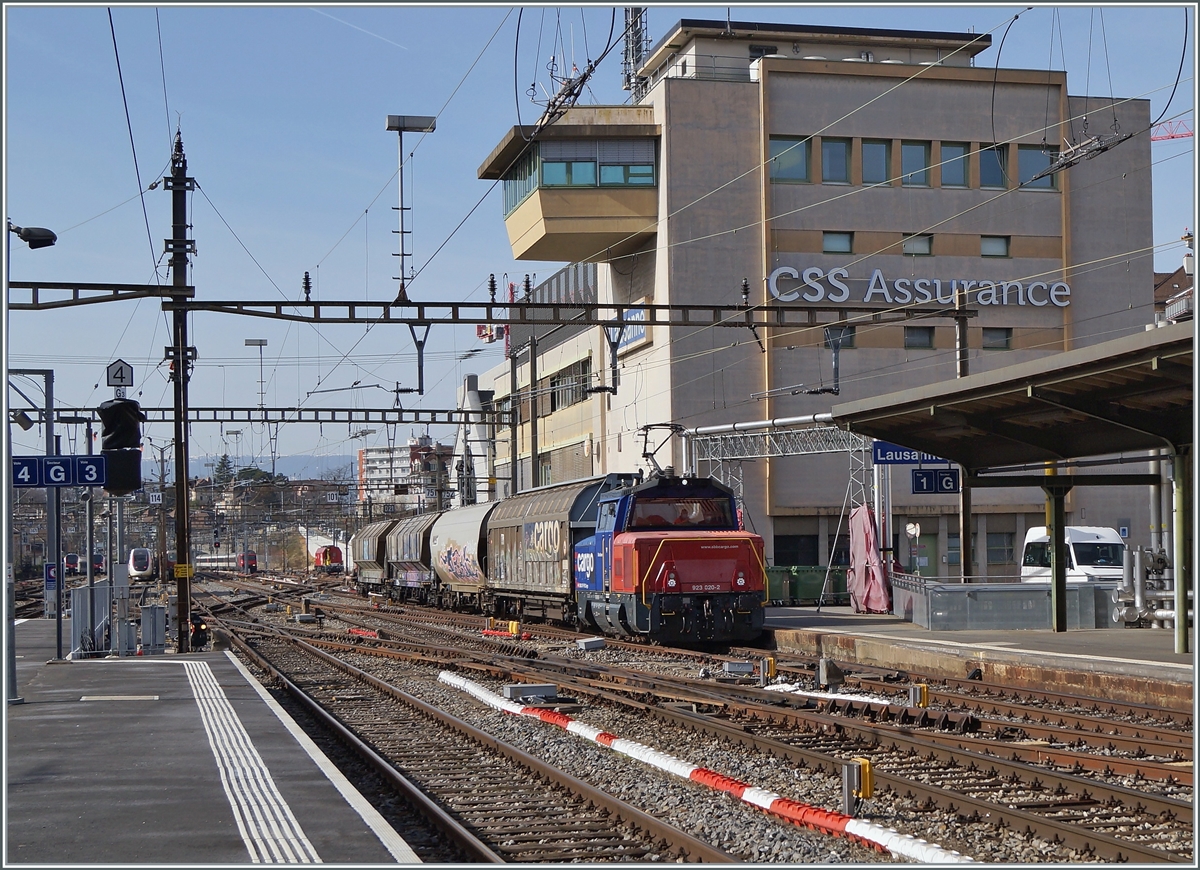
55, 471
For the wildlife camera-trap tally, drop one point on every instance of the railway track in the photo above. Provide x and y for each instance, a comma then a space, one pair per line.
1111, 783
502, 804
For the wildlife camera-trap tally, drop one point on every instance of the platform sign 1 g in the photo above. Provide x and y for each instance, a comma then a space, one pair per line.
935, 481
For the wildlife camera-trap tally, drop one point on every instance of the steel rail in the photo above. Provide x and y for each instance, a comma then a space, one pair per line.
438, 817
1074, 836
688, 845
997, 728
1080, 723
1103, 845
980, 689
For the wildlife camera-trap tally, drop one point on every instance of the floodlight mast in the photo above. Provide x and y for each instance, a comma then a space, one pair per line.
402, 124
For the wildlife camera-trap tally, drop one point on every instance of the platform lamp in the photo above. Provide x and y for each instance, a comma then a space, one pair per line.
402, 124
35, 237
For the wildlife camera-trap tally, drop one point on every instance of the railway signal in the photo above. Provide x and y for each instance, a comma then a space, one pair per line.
121, 444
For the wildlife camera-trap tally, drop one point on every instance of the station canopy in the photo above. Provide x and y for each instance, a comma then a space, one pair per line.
1130, 394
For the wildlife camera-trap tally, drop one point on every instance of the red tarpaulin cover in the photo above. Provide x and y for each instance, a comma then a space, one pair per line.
866, 581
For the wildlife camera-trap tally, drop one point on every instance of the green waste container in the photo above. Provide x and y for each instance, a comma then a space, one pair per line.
779, 585
809, 580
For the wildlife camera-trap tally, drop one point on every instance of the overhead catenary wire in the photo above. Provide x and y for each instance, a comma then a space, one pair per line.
162, 65
344, 355
1182, 57
463, 221
133, 147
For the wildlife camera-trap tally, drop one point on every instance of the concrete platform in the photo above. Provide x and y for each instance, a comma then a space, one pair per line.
1138, 665
170, 760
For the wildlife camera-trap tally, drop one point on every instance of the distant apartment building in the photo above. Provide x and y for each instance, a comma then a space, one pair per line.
867, 178
410, 478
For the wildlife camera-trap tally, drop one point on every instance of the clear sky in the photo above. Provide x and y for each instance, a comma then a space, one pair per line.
282, 111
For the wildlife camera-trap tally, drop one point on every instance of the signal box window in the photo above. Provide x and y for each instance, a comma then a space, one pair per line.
835, 161
954, 164
789, 159
569, 173
627, 175
876, 161
919, 337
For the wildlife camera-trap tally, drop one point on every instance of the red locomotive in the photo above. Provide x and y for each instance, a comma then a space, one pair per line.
328, 560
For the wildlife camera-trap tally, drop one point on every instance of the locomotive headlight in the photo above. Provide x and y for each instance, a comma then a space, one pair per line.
741, 578
671, 580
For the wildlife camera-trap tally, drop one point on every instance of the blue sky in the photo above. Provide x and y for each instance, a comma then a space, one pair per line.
282, 111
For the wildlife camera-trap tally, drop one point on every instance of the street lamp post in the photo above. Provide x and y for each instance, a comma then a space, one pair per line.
35, 237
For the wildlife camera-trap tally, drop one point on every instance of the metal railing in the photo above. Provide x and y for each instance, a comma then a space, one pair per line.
708, 67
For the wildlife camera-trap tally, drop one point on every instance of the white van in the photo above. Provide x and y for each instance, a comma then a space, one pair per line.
1093, 553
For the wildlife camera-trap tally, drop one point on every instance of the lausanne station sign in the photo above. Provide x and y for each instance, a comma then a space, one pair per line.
817, 286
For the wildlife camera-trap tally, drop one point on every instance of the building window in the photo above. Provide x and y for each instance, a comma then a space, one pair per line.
876, 161
569, 386
837, 243
999, 548
914, 164
954, 164
953, 550
580, 163
569, 173
1032, 159
835, 161
520, 181
794, 549
846, 333
917, 246
997, 338
993, 246
992, 166
918, 337
789, 159
624, 175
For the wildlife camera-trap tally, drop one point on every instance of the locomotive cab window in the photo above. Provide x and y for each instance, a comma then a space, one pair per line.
671, 513
608, 516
